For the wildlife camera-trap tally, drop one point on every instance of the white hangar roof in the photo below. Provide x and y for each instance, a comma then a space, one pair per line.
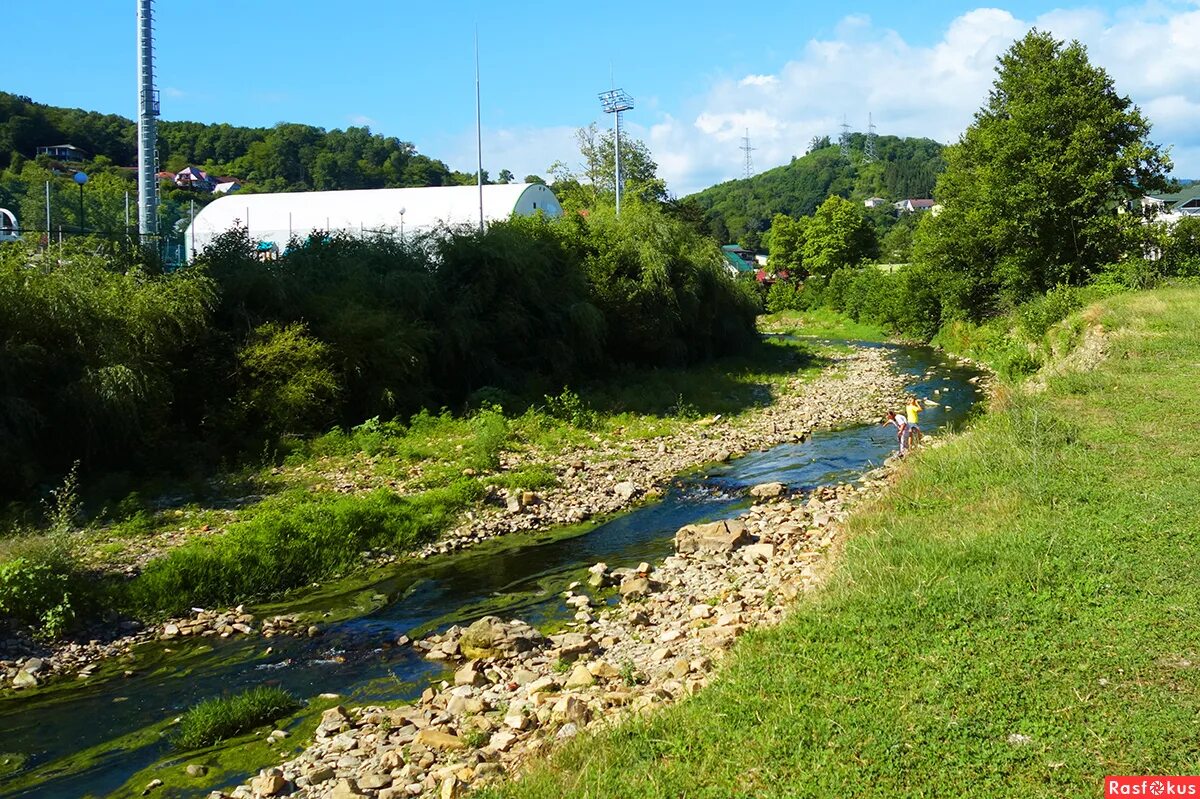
276, 218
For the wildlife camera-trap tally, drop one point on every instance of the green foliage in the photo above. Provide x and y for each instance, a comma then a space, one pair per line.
219, 719
838, 236
783, 296
290, 541
36, 589
596, 184
286, 381
1181, 256
787, 245
568, 407
905, 168
1029, 193
90, 357
1036, 316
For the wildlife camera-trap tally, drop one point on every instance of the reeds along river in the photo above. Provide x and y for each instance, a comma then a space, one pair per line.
89, 739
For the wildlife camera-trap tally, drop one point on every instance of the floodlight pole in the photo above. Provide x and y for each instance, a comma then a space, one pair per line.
614, 102
478, 131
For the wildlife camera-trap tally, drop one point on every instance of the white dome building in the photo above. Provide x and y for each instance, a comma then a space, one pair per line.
274, 219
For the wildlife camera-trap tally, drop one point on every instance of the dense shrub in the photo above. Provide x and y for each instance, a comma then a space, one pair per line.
1038, 315
285, 381
40, 588
783, 296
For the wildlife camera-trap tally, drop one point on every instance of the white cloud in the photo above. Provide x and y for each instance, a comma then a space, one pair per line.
362, 120
758, 80
929, 90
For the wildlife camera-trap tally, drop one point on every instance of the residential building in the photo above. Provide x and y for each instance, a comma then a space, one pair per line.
874, 202
193, 177
67, 153
739, 260
1174, 206
913, 206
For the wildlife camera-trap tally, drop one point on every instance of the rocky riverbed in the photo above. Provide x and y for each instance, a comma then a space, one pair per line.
642, 638
603, 479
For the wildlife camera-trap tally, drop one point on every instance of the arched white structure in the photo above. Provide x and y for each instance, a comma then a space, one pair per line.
277, 218
9, 229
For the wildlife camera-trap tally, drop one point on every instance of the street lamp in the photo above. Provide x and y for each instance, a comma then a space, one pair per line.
614, 102
401, 225
81, 178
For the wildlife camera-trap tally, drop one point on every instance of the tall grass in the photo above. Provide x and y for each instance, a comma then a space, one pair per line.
290, 541
216, 720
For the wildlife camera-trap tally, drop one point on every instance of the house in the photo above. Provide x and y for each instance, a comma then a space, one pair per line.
1173, 207
738, 260
227, 186
165, 176
875, 202
912, 206
67, 153
193, 177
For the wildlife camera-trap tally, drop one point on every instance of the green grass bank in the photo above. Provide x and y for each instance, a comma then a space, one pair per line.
1016, 618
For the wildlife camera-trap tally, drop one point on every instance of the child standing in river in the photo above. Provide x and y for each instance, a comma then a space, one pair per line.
912, 412
901, 423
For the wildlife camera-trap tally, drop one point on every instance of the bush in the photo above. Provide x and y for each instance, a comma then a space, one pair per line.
216, 720
287, 385
1039, 315
568, 407
782, 296
41, 585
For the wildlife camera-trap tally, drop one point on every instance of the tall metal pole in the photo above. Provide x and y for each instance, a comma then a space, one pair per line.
478, 131
614, 101
147, 123
48, 213
617, 156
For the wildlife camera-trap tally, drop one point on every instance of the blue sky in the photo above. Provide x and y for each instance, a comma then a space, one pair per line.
701, 72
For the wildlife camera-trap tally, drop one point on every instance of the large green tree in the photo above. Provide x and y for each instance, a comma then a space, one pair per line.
787, 244
1031, 191
597, 179
838, 235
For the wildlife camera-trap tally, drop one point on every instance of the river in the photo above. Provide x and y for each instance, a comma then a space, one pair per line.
88, 740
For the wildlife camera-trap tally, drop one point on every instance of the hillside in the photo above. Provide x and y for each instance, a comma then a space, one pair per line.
904, 168
286, 157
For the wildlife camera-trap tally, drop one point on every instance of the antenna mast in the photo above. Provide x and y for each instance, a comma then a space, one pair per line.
869, 155
748, 163
147, 123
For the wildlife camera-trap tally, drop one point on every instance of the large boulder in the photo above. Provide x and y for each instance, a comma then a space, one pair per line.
490, 637
717, 537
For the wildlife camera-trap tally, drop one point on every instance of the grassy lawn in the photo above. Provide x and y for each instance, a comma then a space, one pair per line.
1018, 617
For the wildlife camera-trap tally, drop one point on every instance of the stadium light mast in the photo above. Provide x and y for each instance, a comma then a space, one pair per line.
614, 102
147, 123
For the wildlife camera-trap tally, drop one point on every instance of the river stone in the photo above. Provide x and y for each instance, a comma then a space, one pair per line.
433, 739
573, 644
320, 774
269, 783
768, 490
490, 637
333, 719
756, 552
24, 680
501, 741
470, 674
196, 770
580, 678
374, 782
346, 789
625, 490
635, 587
719, 537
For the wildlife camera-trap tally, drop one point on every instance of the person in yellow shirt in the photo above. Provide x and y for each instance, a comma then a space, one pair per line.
912, 430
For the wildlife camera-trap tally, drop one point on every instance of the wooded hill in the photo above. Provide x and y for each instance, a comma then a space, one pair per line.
741, 210
286, 157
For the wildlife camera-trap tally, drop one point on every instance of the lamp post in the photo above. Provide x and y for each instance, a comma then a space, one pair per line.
80, 178
401, 225
614, 102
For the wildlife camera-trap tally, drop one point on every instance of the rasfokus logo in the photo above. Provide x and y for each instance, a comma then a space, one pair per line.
1151, 786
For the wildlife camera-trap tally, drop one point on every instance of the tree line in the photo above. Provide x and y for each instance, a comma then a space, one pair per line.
1041, 195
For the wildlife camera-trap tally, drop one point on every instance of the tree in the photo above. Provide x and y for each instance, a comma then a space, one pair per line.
535, 179
787, 244
639, 172
505, 176
819, 143
1030, 190
838, 235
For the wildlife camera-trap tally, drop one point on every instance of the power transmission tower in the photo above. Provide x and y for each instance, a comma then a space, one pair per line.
844, 140
748, 164
869, 153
